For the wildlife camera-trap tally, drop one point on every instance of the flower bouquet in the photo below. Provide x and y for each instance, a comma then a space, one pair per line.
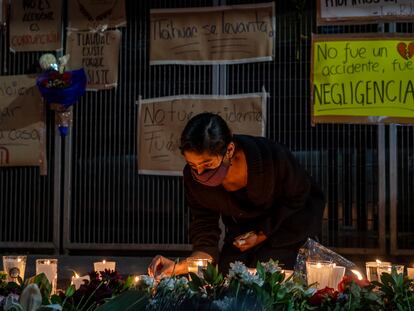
60, 89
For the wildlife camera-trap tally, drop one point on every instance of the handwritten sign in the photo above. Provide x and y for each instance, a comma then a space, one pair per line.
35, 25
161, 121
363, 79
212, 35
22, 127
354, 11
97, 53
92, 14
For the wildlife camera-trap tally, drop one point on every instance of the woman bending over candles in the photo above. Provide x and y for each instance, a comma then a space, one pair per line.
268, 203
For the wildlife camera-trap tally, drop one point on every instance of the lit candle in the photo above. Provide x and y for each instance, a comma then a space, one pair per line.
102, 265
319, 273
79, 280
410, 272
358, 274
14, 266
387, 268
196, 265
372, 269
338, 273
49, 268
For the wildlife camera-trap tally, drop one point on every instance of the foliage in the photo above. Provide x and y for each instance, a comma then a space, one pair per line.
241, 290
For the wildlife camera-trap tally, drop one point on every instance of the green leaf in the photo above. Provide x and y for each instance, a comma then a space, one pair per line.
127, 301
70, 291
129, 282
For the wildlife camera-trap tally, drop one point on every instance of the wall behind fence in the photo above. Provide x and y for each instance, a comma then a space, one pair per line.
107, 205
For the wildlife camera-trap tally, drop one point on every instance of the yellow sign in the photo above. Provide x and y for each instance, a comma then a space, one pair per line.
367, 79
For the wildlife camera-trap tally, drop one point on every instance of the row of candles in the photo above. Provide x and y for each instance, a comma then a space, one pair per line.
15, 267
321, 273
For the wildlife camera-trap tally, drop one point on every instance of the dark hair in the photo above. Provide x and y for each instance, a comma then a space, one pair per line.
206, 132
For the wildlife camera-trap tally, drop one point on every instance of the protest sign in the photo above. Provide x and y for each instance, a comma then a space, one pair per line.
212, 35
362, 79
22, 126
161, 121
97, 53
35, 25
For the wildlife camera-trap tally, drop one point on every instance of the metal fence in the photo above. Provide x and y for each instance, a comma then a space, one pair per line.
105, 204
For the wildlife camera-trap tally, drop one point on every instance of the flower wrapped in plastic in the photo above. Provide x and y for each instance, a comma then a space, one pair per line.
60, 89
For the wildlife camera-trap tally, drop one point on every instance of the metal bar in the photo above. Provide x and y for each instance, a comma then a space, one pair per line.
117, 246
381, 189
393, 181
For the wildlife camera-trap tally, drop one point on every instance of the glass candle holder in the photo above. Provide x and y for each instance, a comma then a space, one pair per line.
79, 280
388, 269
15, 267
49, 268
372, 269
102, 265
410, 273
196, 265
319, 273
338, 273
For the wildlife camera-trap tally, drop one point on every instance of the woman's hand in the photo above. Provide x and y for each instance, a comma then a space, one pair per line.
250, 241
161, 267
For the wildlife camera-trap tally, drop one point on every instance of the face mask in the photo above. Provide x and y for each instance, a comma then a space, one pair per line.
212, 177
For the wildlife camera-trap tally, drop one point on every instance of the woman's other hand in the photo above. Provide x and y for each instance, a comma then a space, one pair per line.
161, 267
251, 241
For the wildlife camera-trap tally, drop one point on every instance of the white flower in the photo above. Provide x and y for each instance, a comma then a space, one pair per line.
271, 266
168, 283
148, 280
239, 271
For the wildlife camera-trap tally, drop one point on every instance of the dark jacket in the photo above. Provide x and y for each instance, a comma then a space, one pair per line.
281, 200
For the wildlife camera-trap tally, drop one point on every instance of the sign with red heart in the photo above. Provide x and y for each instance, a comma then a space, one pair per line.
406, 51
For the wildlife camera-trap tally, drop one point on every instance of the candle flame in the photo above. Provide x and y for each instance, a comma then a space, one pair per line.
48, 262
136, 279
318, 265
19, 259
378, 261
76, 275
104, 261
358, 274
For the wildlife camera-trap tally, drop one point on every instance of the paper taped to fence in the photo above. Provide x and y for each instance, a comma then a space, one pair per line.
161, 121
22, 126
212, 35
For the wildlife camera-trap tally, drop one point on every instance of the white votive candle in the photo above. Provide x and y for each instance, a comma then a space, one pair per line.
410, 273
102, 265
196, 265
319, 272
79, 280
49, 268
14, 266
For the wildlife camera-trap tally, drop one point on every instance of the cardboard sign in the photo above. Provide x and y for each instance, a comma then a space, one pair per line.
212, 35
22, 126
161, 121
92, 14
35, 25
363, 79
97, 53
354, 12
